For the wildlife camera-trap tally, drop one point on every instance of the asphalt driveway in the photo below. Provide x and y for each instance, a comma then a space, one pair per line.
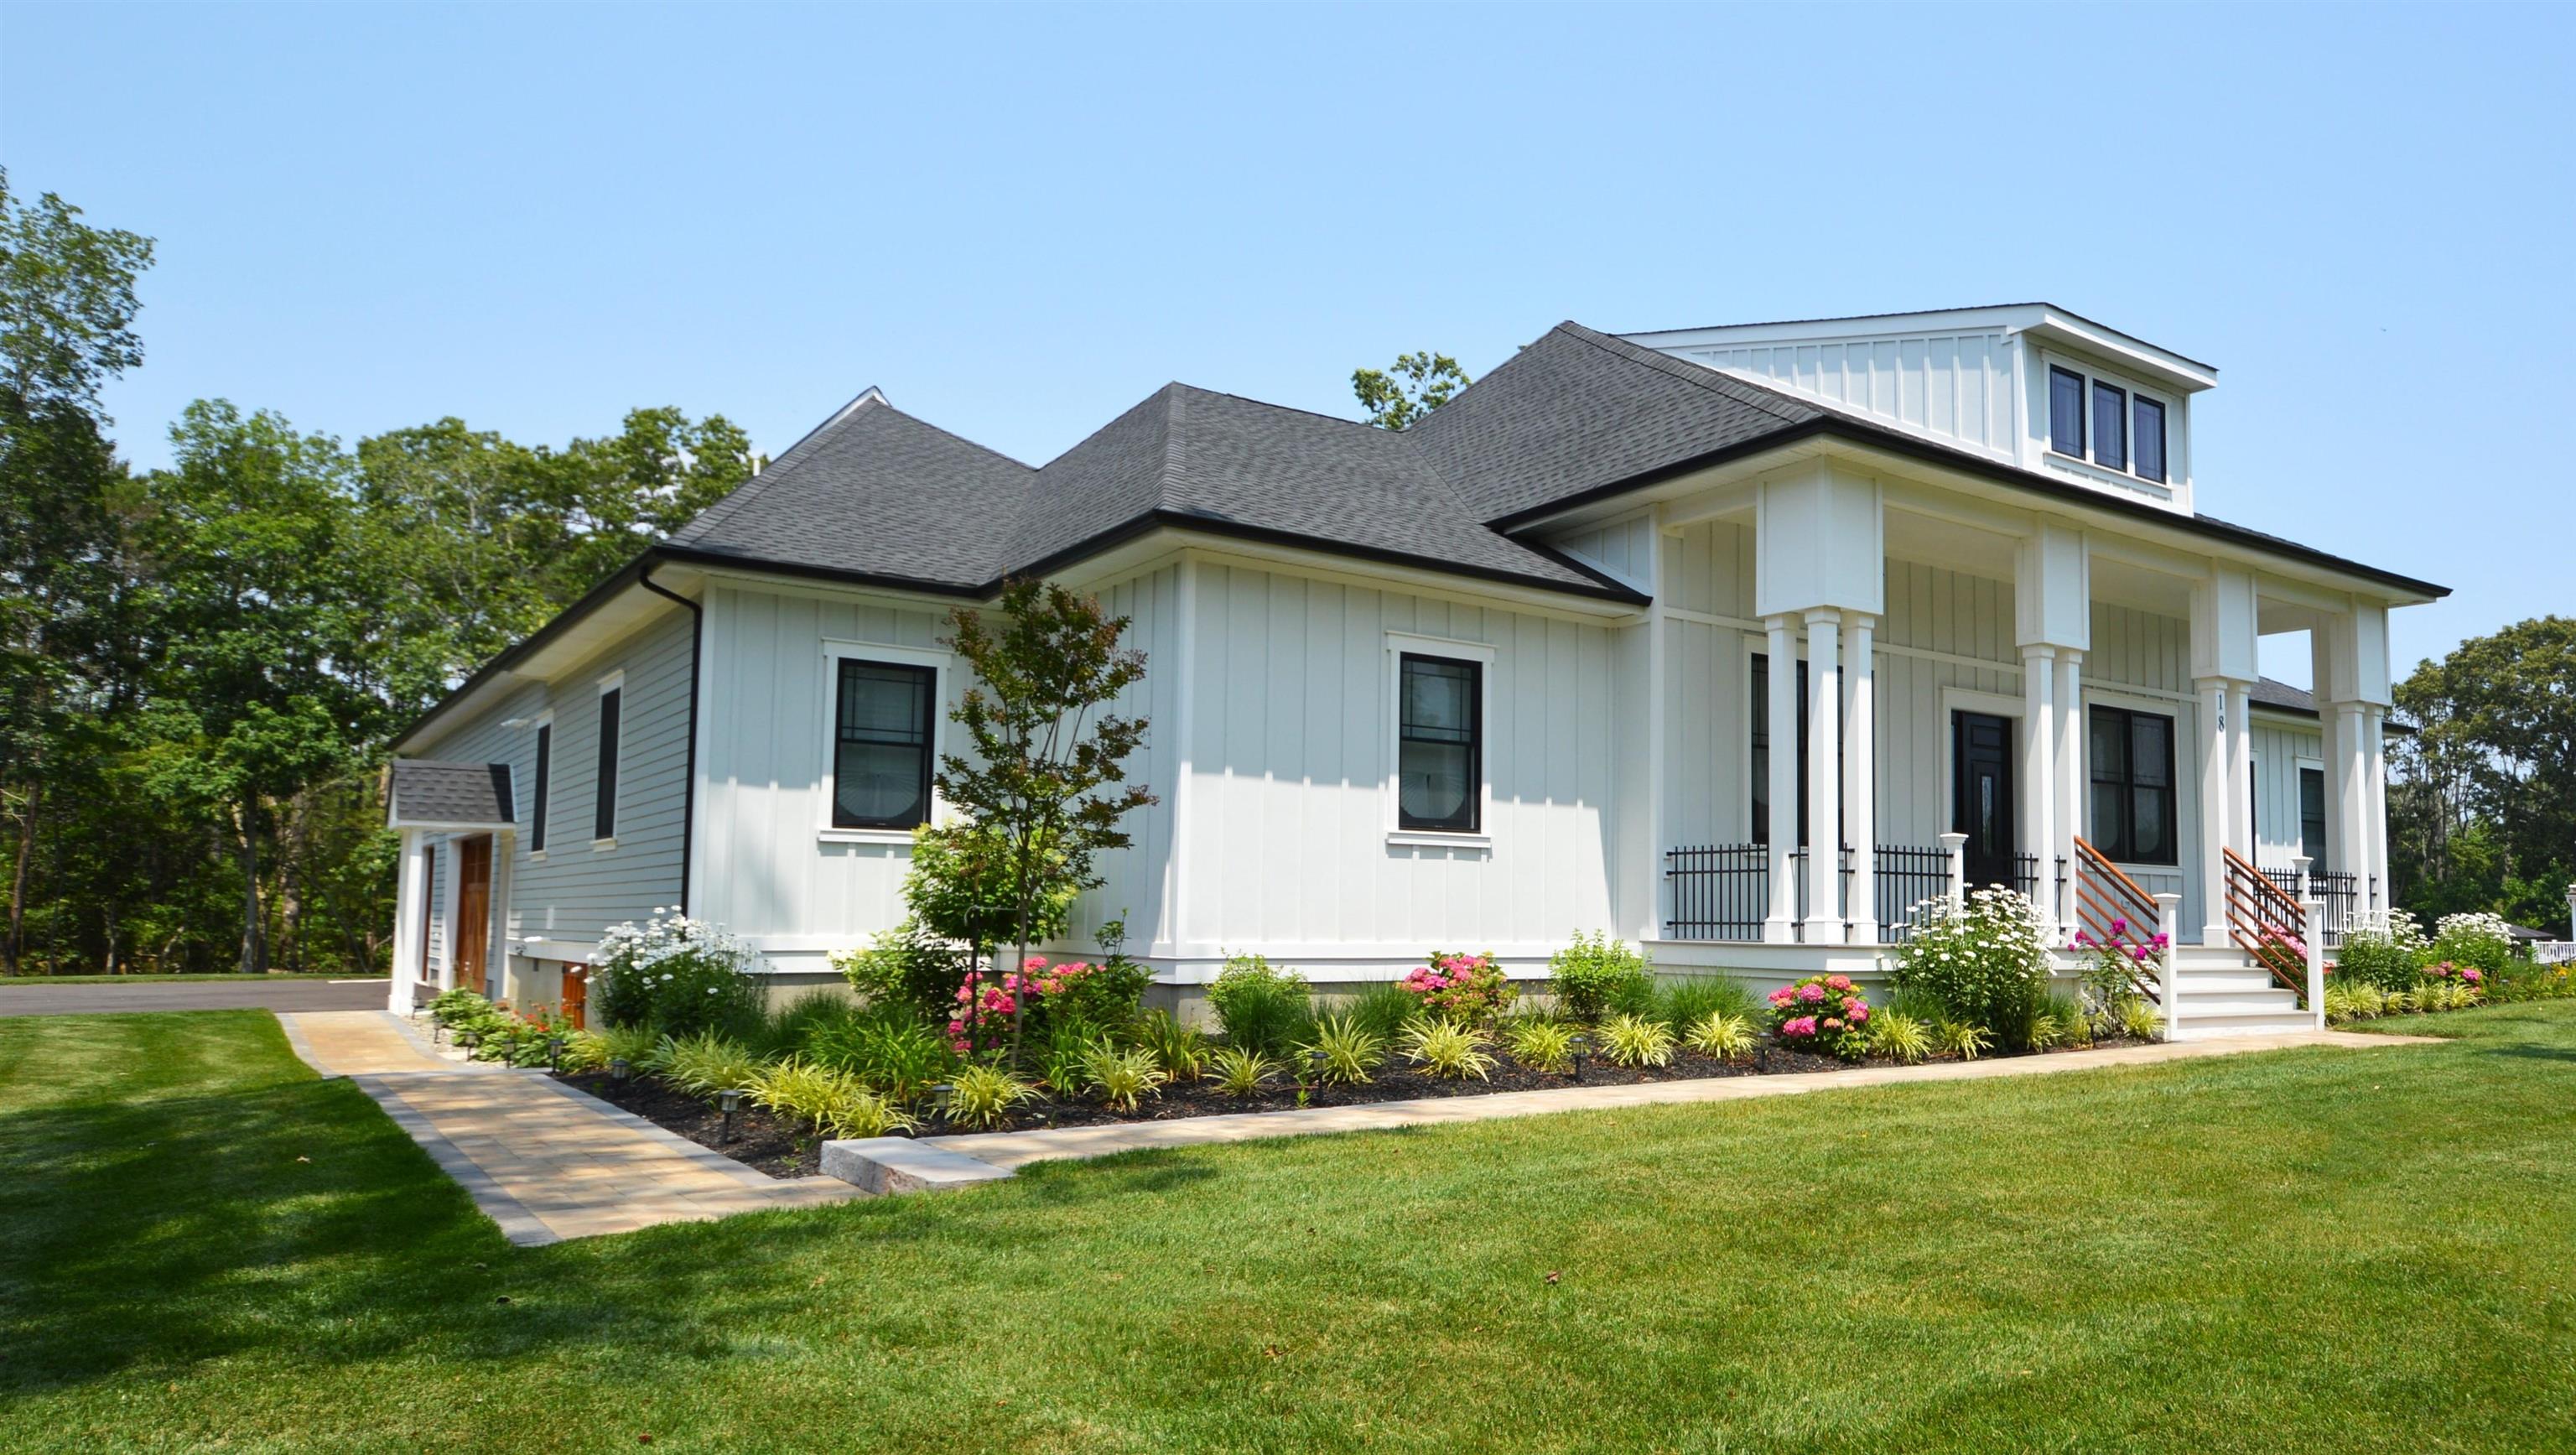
24, 999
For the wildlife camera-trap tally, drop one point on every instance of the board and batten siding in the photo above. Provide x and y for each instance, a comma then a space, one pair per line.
1956, 387
557, 904
1285, 834
2281, 749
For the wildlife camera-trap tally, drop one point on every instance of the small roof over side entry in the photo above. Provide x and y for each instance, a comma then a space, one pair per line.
422, 794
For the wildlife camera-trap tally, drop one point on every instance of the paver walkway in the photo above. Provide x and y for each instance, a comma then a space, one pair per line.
541, 1159
1010, 1151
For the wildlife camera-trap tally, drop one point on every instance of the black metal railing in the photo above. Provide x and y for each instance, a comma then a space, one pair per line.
1907, 876
1718, 891
2339, 891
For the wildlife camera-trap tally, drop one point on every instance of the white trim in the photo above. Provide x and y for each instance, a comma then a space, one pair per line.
541, 785
1484, 656
1439, 839
836, 650
611, 841
615, 759
613, 682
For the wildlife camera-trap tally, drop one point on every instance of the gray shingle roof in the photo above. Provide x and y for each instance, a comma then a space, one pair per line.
424, 791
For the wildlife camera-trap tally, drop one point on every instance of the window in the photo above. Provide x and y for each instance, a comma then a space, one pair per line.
2312, 816
881, 745
2148, 443
2066, 412
2133, 786
545, 770
604, 813
1761, 739
1439, 744
2110, 426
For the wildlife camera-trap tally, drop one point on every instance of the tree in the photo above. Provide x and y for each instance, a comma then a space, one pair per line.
2482, 806
1047, 785
1417, 385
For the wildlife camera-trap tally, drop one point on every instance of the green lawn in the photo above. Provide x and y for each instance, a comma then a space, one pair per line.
206, 1247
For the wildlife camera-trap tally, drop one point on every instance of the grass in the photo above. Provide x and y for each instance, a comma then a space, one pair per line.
217, 975
2318, 1250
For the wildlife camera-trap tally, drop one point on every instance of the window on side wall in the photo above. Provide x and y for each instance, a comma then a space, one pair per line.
2312, 816
545, 782
882, 744
2133, 786
604, 809
1440, 767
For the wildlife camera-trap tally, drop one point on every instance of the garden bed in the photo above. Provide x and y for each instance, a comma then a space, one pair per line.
781, 1148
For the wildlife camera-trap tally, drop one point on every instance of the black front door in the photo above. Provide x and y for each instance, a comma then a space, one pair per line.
1982, 795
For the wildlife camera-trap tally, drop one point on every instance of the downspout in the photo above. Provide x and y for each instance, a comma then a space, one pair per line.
689, 786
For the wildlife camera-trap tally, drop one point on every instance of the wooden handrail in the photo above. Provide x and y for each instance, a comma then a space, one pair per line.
2266, 922
2105, 895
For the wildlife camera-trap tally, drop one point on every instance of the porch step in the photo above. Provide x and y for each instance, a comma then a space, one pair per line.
2228, 982
2252, 1002
2210, 1028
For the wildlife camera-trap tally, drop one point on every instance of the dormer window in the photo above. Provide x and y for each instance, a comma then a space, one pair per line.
2105, 423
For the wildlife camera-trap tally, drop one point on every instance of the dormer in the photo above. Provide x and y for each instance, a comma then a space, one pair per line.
2029, 383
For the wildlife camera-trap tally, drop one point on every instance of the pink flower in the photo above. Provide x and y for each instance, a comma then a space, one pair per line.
2138, 953
2083, 941
2160, 940
1804, 1025
2472, 976
1811, 993
1860, 1015
2119, 927
1833, 1023
1838, 982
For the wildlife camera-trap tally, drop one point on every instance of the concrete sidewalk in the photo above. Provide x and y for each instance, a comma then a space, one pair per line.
541, 1159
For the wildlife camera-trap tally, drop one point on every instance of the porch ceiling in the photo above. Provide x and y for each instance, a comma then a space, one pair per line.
1931, 541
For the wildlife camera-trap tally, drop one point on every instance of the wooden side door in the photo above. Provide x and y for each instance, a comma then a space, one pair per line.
576, 998
473, 912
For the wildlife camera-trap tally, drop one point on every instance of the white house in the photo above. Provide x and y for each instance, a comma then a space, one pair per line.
1514, 672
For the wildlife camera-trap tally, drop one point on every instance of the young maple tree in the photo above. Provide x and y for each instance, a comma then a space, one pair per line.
1047, 780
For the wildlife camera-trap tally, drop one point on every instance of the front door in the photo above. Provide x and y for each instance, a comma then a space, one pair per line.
1982, 795
473, 911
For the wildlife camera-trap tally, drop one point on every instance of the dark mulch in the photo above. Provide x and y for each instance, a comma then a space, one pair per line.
772, 1144
784, 1149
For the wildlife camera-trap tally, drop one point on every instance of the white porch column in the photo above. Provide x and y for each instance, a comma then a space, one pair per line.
1860, 776
411, 887
2349, 774
1779, 926
2240, 769
1824, 924
2072, 743
2213, 810
2375, 753
2038, 774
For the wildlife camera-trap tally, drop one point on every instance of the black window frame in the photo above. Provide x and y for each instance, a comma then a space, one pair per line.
1470, 817
1757, 697
2119, 414
2164, 466
927, 728
2083, 412
2314, 849
2118, 841
603, 813
545, 773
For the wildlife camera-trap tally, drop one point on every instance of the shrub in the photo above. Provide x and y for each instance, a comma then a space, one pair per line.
1181, 1050
1985, 961
906, 966
887, 1048
678, 975
1064, 1057
1595, 975
1258, 1008
583, 1051
832, 1101
707, 1063
1459, 987
2529, 980
2480, 942
1961, 1039
1541, 1045
634, 1045
1344, 1051
1687, 1000
2387, 958
1098, 997
1631, 1040
1723, 1034
983, 1097
2112, 969
1123, 1078
2140, 1021
2057, 1020
1899, 1037
1240, 1072
1449, 1050
1381, 1010
2462, 983
1824, 1013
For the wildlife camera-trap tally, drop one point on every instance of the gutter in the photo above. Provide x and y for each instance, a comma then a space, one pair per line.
689, 785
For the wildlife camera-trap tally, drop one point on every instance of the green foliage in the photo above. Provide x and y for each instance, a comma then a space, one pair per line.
1963, 1039
2483, 942
887, 1048
962, 889
1724, 1034
2140, 1021
2388, 958
1107, 995
833, 1102
1418, 384
1449, 1050
1685, 1001
1259, 1008
1063, 1056
1541, 1044
2482, 800
1241, 1073
1343, 1052
981, 1098
707, 1063
675, 974
1986, 961
1596, 975
1382, 1010
1628, 1040
1899, 1037
1123, 1078
907, 966
635, 1045
2056, 1021
1181, 1050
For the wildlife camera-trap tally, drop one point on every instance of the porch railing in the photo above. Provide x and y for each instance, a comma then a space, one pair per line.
2339, 891
2266, 922
1723, 891
2106, 896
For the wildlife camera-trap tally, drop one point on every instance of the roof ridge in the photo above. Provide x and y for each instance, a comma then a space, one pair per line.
1175, 424
1715, 381
1286, 408
872, 397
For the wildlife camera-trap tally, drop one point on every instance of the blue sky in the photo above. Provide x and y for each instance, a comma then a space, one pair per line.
1019, 222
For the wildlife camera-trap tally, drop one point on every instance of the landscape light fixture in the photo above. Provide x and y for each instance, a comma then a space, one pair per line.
940, 1097
730, 1100
618, 1069
554, 1053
